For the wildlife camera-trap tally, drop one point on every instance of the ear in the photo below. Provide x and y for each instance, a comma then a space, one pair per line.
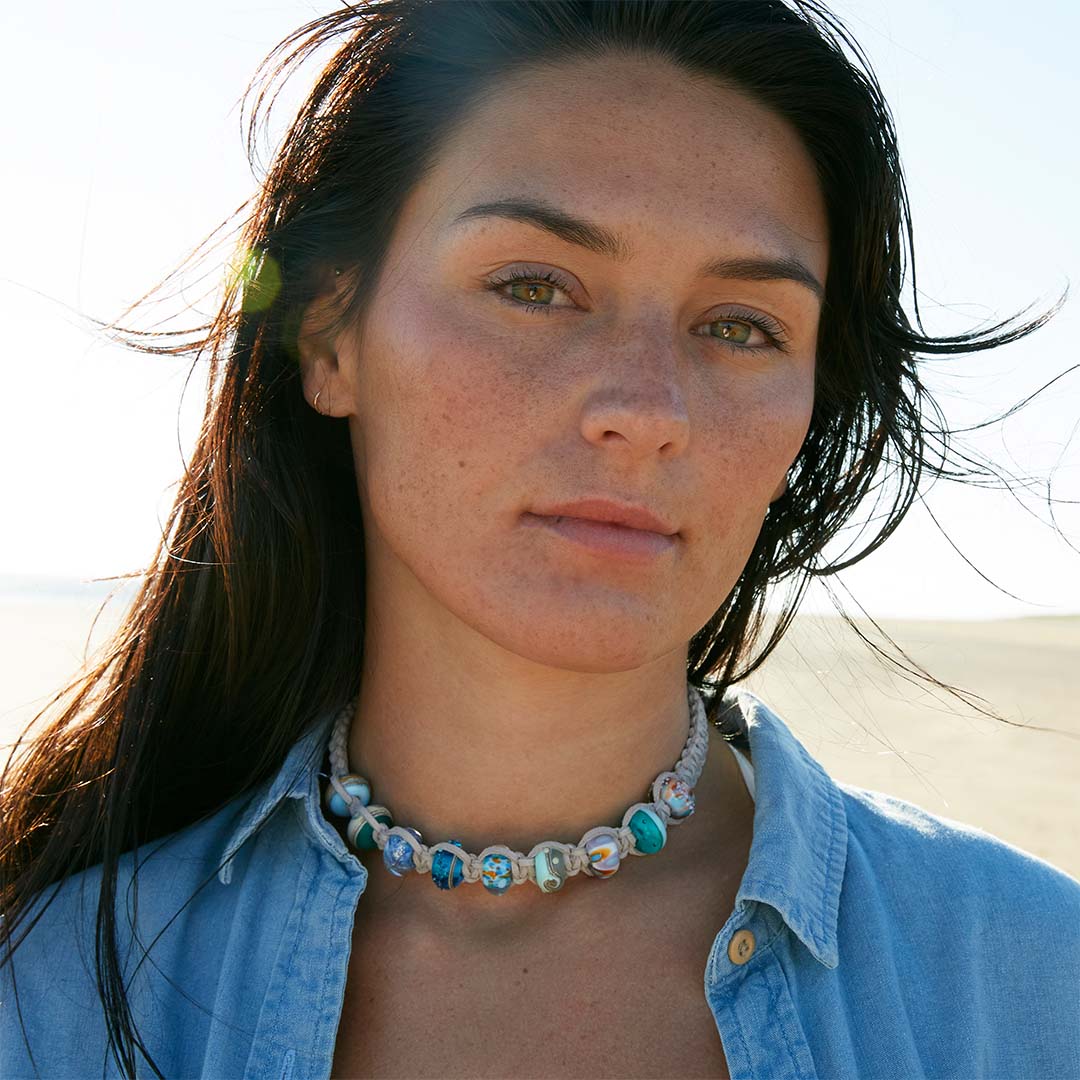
317, 348
781, 488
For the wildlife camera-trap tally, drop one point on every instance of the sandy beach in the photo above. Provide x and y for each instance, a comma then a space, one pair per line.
864, 723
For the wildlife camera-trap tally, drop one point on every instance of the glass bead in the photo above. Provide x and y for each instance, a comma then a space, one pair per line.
447, 869
678, 796
550, 868
398, 855
361, 835
603, 852
354, 785
496, 873
649, 831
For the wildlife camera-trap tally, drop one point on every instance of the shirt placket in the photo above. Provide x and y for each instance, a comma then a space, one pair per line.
748, 994
297, 1027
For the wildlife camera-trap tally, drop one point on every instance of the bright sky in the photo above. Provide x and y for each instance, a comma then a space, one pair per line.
122, 150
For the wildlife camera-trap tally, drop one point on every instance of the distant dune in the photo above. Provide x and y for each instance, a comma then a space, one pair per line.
867, 726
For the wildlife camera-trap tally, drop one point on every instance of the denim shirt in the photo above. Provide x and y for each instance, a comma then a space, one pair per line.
869, 939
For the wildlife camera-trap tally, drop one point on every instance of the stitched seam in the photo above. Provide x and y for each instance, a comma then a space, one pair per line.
328, 967
743, 1046
793, 903
287, 1063
292, 958
836, 801
774, 1001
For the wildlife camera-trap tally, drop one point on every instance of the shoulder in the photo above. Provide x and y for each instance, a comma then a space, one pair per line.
905, 838
49, 983
996, 897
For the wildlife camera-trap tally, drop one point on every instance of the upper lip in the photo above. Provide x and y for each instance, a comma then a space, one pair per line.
611, 512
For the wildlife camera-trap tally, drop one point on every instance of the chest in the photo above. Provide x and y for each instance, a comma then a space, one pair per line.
609, 1008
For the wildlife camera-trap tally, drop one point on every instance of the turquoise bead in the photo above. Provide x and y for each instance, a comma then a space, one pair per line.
447, 869
649, 831
354, 785
360, 833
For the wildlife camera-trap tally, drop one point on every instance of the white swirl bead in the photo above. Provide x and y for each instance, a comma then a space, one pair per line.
602, 847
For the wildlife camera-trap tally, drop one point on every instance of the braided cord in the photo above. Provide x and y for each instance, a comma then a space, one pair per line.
688, 769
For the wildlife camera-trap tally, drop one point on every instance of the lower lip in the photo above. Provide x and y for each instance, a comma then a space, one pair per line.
606, 539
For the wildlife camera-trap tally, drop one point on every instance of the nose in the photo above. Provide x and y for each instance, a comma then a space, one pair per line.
639, 404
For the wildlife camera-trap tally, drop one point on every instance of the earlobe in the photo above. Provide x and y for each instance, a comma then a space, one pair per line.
780, 490
317, 356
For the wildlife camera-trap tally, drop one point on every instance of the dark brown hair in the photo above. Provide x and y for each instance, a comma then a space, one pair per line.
250, 620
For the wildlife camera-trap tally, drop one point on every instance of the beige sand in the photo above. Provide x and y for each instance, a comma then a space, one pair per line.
875, 730
866, 726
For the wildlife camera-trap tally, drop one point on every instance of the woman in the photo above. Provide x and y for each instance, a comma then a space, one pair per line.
564, 330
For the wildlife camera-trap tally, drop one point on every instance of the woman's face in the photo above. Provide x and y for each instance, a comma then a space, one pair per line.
638, 374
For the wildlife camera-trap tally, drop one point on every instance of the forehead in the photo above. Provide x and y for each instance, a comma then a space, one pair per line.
653, 151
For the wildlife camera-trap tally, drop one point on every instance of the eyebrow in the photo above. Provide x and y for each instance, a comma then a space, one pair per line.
597, 238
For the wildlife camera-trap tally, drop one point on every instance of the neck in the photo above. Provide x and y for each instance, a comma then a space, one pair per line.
515, 756
487, 747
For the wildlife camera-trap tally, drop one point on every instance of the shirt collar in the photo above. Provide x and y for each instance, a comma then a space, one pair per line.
797, 855
296, 779
799, 849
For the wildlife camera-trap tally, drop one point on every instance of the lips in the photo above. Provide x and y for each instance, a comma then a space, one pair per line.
604, 539
610, 512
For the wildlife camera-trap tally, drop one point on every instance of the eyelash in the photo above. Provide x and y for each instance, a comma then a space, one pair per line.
772, 331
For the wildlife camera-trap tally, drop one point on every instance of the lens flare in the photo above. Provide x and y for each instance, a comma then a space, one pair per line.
259, 275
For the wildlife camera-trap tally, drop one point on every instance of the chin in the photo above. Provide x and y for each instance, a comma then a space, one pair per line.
603, 644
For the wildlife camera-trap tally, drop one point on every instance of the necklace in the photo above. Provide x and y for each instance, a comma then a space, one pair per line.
548, 864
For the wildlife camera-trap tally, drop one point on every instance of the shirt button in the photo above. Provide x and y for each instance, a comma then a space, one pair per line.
741, 946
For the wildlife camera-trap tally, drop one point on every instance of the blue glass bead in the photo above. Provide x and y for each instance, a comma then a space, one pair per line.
447, 869
496, 873
398, 854
354, 785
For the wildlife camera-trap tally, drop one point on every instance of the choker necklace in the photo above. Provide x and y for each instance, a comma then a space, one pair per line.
550, 862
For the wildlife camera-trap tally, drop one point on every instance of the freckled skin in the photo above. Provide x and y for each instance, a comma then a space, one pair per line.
710, 435
551, 676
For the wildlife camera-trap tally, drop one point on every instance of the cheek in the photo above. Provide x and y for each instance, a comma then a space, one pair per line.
762, 426
746, 451
437, 411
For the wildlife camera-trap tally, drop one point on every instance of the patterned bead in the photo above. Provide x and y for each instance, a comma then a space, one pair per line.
649, 831
550, 868
447, 869
354, 785
398, 854
360, 833
603, 852
678, 796
496, 872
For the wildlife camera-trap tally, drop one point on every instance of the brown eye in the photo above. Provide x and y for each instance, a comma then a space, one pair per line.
730, 330
531, 292
735, 330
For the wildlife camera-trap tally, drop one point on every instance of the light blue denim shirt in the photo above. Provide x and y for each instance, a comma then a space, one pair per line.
872, 939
